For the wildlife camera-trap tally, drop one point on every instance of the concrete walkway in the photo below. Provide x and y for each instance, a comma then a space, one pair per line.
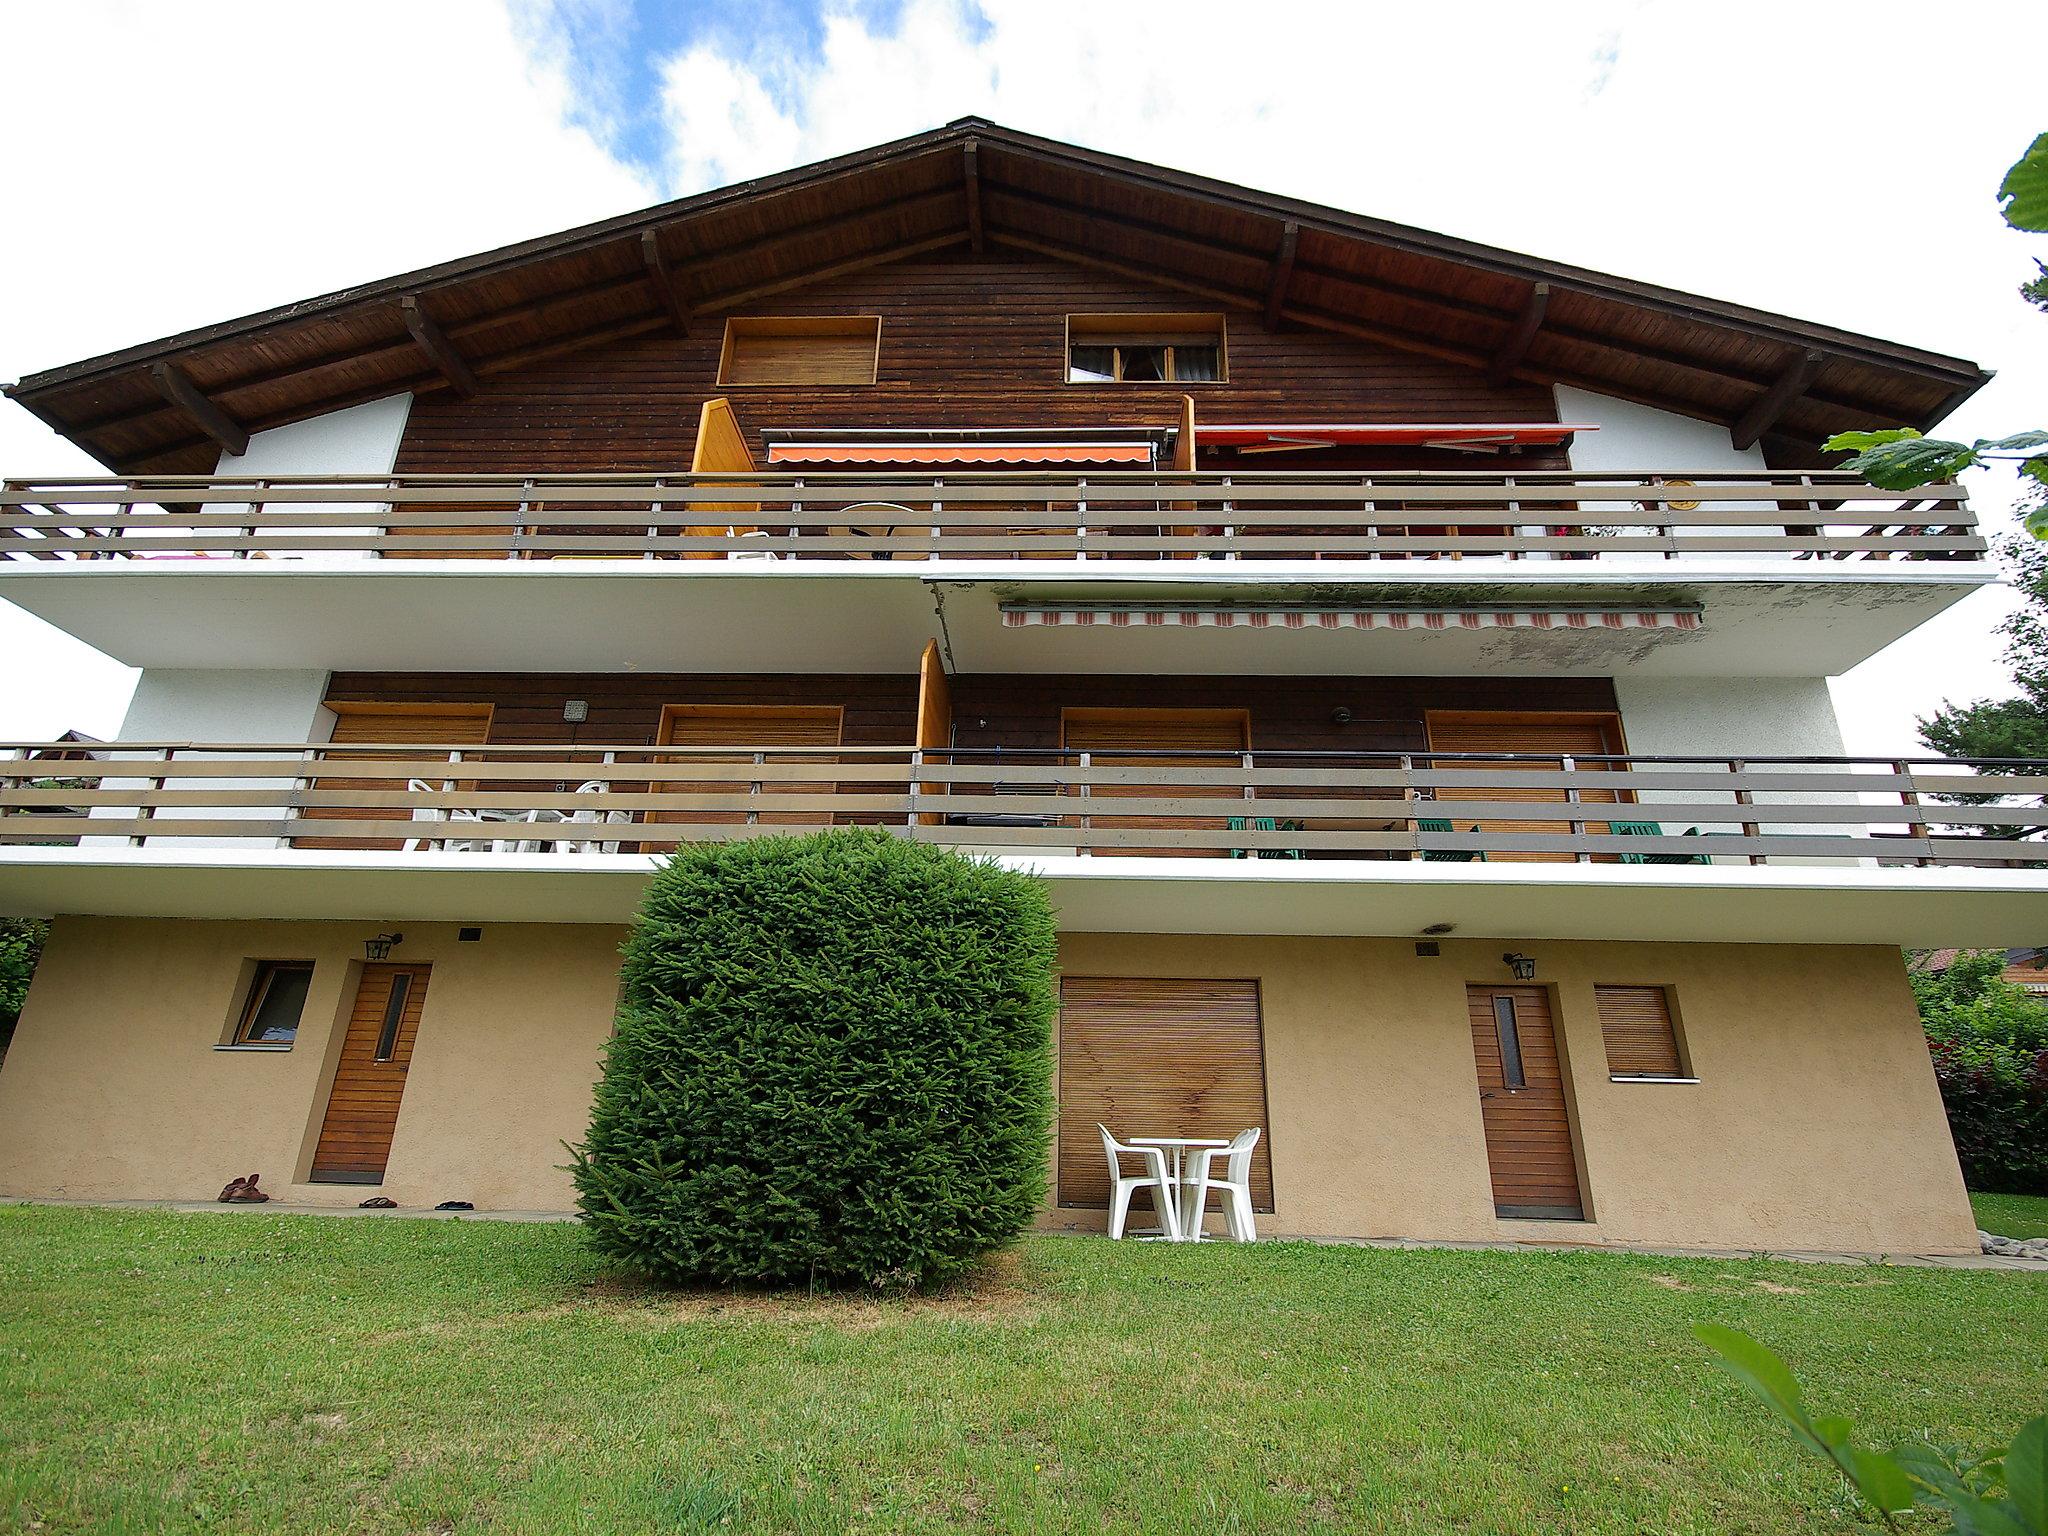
1902, 1260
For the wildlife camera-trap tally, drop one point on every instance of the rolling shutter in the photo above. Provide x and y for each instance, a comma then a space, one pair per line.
1158, 738
1504, 732
1149, 1057
439, 725
748, 726
1636, 1024
826, 350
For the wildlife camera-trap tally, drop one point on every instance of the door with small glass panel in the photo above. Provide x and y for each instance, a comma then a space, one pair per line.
1528, 1122
369, 1079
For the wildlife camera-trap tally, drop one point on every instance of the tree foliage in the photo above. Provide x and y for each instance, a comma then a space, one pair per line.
2018, 726
832, 1066
21, 944
1989, 1040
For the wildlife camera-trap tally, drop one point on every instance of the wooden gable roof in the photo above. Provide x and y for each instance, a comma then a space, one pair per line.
169, 406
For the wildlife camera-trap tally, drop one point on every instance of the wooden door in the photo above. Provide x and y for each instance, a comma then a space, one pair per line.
1153, 1057
369, 1080
1565, 735
1161, 738
372, 723
749, 726
1522, 1103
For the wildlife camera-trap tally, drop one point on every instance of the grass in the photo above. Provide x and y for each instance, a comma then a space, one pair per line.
2012, 1215
258, 1373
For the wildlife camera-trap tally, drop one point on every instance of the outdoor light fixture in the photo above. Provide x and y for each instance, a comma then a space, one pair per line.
1437, 930
379, 948
1522, 965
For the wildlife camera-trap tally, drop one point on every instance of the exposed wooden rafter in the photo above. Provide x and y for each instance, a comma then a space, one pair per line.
971, 162
216, 423
1776, 400
1283, 271
1515, 346
440, 351
663, 280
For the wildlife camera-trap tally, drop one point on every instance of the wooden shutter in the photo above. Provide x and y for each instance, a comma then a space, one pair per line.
1158, 738
750, 726
1149, 1057
374, 724
1636, 1024
1528, 1128
837, 349
1589, 735
934, 719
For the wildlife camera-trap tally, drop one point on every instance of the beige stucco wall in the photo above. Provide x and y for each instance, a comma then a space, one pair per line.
1816, 1123
113, 1088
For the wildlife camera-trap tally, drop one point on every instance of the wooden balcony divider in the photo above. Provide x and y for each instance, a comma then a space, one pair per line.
602, 801
983, 515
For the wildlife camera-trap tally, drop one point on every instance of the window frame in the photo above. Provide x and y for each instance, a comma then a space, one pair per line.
1686, 1074
263, 976
1166, 331
737, 326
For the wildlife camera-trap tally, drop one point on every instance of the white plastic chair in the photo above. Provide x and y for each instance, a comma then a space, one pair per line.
1235, 1185
605, 818
1123, 1185
434, 813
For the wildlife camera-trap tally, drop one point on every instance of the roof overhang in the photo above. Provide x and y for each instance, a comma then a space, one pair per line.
169, 406
1776, 904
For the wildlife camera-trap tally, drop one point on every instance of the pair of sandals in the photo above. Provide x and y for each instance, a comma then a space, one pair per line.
386, 1203
242, 1191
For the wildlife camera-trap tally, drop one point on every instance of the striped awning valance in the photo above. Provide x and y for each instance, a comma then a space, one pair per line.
1155, 615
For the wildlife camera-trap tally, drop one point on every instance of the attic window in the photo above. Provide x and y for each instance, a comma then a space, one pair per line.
1145, 349
800, 349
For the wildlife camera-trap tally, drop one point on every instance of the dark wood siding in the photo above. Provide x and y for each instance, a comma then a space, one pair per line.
988, 709
965, 342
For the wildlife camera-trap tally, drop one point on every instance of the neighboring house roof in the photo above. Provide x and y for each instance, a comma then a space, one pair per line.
2030, 962
168, 406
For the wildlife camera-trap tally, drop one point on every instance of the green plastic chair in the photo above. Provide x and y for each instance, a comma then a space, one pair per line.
1265, 824
1448, 856
1653, 829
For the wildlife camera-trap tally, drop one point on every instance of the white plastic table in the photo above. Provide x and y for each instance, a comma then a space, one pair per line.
1180, 1146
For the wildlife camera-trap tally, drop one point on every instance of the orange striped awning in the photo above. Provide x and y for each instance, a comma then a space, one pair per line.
960, 453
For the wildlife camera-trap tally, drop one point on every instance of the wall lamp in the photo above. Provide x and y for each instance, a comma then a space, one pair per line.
1523, 966
379, 948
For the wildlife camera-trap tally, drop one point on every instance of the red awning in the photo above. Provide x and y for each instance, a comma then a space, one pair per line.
1281, 435
960, 453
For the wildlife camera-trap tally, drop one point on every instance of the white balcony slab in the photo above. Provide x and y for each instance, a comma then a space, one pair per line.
1796, 904
1759, 616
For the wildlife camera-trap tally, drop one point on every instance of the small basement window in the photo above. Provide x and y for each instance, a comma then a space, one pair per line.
1640, 1034
800, 349
1145, 349
277, 996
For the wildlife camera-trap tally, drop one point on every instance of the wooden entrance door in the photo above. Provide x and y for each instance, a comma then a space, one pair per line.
1149, 1056
369, 1080
376, 724
1574, 736
1159, 738
1521, 1100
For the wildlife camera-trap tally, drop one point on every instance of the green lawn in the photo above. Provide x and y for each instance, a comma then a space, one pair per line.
244, 1372
2012, 1215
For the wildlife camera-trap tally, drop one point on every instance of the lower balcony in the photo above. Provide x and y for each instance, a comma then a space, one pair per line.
1806, 850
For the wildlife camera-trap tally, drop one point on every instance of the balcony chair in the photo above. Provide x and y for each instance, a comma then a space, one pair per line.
1653, 829
1264, 824
1236, 1186
1447, 855
436, 814
1123, 1185
595, 817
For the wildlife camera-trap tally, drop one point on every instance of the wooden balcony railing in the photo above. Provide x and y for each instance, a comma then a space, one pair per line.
1443, 807
1010, 515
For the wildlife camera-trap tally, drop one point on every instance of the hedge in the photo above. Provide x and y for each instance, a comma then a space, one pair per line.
832, 1066
1989, 1040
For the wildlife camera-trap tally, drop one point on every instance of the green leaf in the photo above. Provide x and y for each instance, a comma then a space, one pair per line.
1856, 442
1982, 1517
2026, 1473
1909, 463
1758, 1369
2023, 195
2017, 441
1882, 1481
1927, 1466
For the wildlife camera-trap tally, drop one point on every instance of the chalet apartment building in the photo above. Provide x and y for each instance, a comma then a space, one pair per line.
1405, 660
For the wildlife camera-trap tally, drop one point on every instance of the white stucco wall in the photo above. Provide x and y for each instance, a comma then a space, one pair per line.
1640, 438
173, 705
362, 440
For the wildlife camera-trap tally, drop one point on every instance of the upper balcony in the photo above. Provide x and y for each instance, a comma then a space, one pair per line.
1676, 572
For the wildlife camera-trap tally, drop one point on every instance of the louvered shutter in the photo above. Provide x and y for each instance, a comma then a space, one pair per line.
1636, 1024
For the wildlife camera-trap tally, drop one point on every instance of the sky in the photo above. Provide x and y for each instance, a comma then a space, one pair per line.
1830, 161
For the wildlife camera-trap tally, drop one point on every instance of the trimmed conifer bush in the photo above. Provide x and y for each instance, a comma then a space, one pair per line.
833, 1066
